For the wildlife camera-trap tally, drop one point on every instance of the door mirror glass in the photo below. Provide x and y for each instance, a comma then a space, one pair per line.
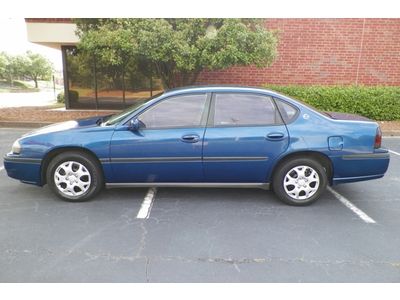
135, 124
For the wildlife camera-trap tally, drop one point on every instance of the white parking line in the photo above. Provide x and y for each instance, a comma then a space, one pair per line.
352, 207
147, 204
1, 168
394, 152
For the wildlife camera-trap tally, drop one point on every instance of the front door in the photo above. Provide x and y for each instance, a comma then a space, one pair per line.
167, 148
244, 135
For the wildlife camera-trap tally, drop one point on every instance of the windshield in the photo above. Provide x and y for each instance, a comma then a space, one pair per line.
114, 119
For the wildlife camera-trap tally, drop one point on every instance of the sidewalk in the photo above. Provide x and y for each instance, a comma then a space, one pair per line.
45, 115
42, 98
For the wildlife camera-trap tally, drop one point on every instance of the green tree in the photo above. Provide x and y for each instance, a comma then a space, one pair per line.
10, 67
178, 49
35, 67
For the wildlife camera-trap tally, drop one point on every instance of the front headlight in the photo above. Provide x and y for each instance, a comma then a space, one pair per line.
16, 147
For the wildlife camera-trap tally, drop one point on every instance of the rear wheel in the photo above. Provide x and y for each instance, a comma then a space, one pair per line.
300, 181
74, 176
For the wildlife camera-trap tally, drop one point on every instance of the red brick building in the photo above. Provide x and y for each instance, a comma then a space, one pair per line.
326, 51
310, 51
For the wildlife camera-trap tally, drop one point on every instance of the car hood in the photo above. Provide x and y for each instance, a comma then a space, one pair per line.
62, 126
346, 116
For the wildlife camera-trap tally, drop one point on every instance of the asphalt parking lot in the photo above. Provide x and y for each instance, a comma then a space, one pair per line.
200, 235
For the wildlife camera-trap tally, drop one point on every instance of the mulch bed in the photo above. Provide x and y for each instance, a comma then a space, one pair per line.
46, 115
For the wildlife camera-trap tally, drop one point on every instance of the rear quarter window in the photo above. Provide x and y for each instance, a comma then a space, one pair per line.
288, 111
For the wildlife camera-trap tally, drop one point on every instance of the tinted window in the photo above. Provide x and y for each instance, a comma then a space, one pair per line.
288, 112
244, 109
179, 111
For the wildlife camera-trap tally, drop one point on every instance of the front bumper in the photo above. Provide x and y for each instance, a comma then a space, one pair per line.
27, 170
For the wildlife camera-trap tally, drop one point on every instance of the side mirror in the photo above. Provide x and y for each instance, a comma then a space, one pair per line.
134, 124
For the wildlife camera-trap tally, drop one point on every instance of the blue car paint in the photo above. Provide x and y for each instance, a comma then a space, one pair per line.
252, 151
127, 156
39, 143
164, 157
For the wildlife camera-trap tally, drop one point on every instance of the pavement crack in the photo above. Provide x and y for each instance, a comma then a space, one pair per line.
147, 269
79, 244
142, 243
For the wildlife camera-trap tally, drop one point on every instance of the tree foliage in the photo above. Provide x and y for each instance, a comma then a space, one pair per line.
178, 49
10, 67
375, 102
36, 67
31, 66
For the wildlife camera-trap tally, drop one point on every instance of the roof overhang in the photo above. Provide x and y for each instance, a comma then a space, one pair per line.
52, 34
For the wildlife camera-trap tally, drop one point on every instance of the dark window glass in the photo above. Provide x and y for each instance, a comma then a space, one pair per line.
288, 112
179, 111
95, 82
244, 109
80, 85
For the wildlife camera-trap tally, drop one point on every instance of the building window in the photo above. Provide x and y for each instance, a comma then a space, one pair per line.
91, 83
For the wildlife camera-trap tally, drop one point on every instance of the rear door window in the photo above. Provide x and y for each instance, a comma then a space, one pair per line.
244, 109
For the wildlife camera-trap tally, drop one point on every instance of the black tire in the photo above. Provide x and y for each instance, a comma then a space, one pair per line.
289, 168
90, 165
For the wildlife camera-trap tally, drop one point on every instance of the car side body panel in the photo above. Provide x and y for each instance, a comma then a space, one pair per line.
38, 144
353, 158
348, 144
241, 154
156, 156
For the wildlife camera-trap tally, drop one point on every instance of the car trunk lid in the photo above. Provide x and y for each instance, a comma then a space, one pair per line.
346, 116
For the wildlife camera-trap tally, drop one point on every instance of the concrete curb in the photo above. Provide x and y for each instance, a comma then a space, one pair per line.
391, 132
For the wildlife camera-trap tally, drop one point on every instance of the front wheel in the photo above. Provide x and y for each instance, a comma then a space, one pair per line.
74, 176
300, 181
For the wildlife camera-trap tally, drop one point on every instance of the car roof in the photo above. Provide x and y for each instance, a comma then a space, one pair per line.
220, 88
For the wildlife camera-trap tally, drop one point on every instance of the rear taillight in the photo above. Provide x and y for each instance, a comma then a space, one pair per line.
378, 138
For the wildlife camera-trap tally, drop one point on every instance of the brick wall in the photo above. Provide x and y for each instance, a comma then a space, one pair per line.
325, 51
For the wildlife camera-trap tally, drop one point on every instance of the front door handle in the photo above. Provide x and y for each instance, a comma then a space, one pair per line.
275, 136
190, 138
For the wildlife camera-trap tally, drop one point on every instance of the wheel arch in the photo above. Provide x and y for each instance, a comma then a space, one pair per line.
56, 151
323, 159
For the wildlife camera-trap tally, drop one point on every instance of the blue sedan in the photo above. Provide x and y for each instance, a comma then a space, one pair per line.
235, 137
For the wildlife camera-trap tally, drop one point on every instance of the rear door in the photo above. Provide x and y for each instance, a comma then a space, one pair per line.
244, 135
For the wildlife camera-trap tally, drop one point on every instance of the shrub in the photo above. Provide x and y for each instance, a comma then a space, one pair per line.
73, 95
61, 98
377, 102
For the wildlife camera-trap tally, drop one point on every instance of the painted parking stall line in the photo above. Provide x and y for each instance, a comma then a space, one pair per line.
394, 152
147, 204
362, 215
1, 168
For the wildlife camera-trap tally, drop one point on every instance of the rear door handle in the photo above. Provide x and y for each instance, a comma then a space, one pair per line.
275, 136
190, 138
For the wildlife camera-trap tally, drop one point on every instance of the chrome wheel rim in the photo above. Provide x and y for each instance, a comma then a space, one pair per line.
72, 178
301, 182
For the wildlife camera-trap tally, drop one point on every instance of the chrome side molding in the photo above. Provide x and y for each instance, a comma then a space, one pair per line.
264, 186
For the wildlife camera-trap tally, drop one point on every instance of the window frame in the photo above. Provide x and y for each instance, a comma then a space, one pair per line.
296, 115
204, 115
211, 123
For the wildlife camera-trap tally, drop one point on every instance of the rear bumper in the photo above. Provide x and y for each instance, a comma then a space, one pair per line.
360, 167
24, 169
